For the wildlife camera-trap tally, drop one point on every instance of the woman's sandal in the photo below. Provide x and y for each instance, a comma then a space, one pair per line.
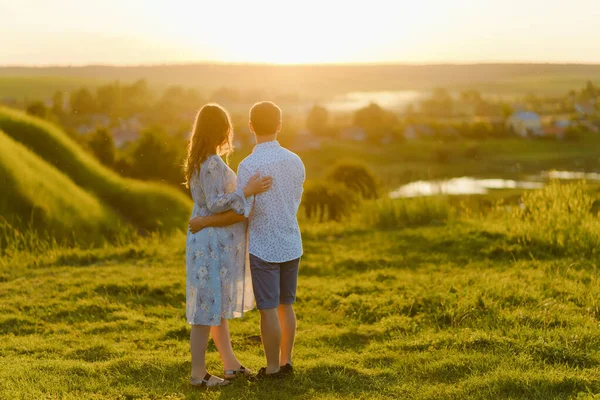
237, 373
204, 382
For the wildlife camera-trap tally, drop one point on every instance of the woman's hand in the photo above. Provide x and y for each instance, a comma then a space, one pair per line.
258, 185
197, 224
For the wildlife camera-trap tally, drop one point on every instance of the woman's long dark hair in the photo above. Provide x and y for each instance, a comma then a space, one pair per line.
212, 134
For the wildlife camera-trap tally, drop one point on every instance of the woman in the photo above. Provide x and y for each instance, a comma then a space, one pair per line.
218, 279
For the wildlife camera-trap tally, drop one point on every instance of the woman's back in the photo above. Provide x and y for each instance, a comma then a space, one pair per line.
213, 188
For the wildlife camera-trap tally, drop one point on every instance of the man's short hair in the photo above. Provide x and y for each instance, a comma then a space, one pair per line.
265, 118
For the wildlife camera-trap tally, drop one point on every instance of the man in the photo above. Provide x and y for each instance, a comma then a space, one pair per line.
275, 244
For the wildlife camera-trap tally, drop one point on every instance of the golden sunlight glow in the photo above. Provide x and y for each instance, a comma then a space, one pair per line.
298, 32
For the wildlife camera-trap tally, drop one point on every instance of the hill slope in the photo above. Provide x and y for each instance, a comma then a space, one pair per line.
36, 195
147, 206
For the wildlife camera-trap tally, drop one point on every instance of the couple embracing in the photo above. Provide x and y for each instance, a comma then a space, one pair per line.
244, 242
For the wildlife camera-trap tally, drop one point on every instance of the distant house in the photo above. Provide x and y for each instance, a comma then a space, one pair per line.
9, 101
585, 109
127, 130
354, 134
562, 123
85, 129
554, 131
525, 123
305, 140
387, 139
100, 120
418, 131
590, 126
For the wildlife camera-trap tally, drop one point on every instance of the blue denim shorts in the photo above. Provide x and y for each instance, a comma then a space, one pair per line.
274, 283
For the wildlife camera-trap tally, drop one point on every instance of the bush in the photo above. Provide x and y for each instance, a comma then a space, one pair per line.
103, 146
356, 177
441, 155
328, 201
472, 152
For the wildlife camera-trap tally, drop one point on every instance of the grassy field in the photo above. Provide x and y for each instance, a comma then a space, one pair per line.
449, 305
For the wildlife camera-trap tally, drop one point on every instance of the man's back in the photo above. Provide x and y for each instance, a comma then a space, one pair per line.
274, 232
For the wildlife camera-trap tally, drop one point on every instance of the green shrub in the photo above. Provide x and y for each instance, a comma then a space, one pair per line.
328, 201
441, 155
472, 152
356, 177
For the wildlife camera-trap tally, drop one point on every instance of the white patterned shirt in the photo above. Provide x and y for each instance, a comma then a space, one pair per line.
274, 234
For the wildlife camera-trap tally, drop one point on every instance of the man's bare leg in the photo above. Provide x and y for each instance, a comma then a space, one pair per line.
271, 337
287, 320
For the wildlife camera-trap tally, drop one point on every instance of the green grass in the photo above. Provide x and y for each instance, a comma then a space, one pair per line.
147, 206
432, 308
37, 195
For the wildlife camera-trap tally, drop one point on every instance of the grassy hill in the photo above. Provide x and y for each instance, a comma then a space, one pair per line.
73, 173
36, 195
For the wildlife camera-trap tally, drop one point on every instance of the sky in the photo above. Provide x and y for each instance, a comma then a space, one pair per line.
133, 32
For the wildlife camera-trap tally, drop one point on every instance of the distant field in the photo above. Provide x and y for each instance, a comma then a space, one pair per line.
543, 84
41, 87
312, 81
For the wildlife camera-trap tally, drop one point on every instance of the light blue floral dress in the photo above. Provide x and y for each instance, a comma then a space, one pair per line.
218, 270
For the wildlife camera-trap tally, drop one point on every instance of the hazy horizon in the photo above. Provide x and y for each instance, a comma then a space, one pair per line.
259, 64
263, 32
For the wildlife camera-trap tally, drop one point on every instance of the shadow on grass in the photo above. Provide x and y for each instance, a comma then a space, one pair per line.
145, 295
17, 327
323, 379
537, 388
93, 354
84, 313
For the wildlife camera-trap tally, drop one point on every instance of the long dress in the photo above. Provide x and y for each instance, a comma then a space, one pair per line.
218, 283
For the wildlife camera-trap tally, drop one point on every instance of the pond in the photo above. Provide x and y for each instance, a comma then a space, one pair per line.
392, 100
469, 185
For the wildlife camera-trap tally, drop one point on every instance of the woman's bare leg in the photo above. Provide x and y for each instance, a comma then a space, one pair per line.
220, 335
198, 345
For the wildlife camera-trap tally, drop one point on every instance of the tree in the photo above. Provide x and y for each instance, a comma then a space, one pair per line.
37, 109
102, 145
439, 104
159, 156
317, 120
109, 100
590, 91
82, 102
176, 104
376, 121
58, 102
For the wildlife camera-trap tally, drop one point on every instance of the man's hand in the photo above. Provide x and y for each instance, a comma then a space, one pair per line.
197, 224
